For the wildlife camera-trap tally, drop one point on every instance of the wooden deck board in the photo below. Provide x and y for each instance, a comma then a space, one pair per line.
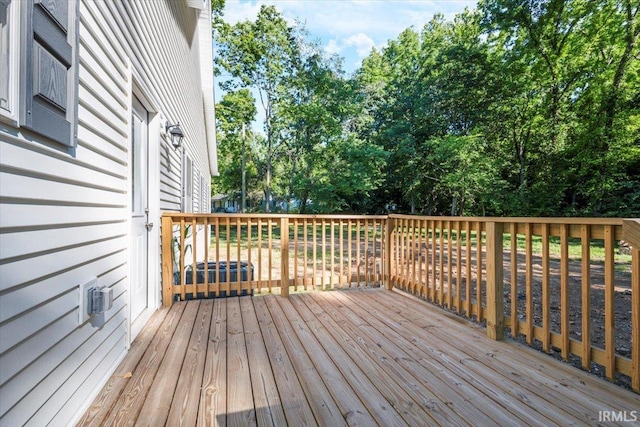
381, 370
459, 365
109, 394
349, 357
213, 395
184, 409
295, 405
352, 408
156, 406
324, 407
240, 407
534, 373
269, 411
423, 379
130, 401
380, 403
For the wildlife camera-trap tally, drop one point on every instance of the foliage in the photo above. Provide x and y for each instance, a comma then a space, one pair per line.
521, 107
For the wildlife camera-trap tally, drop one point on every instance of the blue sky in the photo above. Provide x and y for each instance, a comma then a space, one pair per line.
350, 28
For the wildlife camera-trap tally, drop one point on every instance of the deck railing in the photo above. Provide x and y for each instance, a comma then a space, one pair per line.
561, 285
278, 252
566, 286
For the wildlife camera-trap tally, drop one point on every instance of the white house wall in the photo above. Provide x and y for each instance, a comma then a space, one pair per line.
65, 218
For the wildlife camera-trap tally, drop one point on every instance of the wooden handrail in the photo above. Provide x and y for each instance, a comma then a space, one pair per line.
521, 220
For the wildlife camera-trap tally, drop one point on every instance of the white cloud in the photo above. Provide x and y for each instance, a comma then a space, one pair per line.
351, 27
362, 42
333, 47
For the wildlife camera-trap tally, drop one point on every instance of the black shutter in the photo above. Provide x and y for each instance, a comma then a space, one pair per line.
51, 70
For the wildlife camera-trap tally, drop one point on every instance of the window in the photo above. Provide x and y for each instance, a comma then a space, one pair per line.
187, 184
204, 193
50, 104
9, 58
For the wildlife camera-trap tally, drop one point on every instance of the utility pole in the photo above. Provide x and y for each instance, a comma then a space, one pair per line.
244, 172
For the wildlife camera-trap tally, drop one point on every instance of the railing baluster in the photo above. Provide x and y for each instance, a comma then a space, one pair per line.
249, 254
284, 256
183, 278
324, 252
469, 307
426, 258
609, 299
635, 316
529, 283
239, 255
260, 284
314, 239
546, 337
374, 226
514, 281
207, 243
358, 254
194, 246
306, 253
295, 254
421, 281
458, 269
217, 225
441, 264
270, 249
449, 255
434, 250
585, 239
228, 271
564, 290
333, 254
341, 252
480, 314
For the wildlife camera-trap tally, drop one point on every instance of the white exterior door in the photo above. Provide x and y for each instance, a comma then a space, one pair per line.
140, 225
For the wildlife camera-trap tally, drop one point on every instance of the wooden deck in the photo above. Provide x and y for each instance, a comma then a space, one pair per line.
355, 357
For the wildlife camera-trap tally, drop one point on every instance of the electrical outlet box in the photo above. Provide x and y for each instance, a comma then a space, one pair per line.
101, 299
84, 302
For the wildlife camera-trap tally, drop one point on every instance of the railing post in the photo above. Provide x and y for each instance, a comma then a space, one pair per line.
495, 296
387, 254
167, 261
284, 257
631, 234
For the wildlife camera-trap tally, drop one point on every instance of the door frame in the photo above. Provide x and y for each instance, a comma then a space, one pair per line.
153, 196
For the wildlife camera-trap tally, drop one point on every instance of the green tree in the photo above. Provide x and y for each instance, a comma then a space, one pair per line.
235, 109
260, 55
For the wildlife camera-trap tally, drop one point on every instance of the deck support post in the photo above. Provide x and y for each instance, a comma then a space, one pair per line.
284, 257
387, 254
495, 292
167, 261
631, 234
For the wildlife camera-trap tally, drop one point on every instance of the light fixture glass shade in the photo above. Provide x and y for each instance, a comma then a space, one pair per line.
175, 131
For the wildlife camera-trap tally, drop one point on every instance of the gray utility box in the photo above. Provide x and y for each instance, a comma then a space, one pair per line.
216, 271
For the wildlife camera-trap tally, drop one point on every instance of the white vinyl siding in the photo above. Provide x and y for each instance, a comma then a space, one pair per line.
64, 217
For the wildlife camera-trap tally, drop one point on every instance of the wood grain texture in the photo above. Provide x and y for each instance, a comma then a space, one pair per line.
359, 356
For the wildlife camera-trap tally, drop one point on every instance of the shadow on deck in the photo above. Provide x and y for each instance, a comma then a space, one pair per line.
350, 357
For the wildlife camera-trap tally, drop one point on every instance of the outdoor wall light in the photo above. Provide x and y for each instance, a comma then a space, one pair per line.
175, 131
